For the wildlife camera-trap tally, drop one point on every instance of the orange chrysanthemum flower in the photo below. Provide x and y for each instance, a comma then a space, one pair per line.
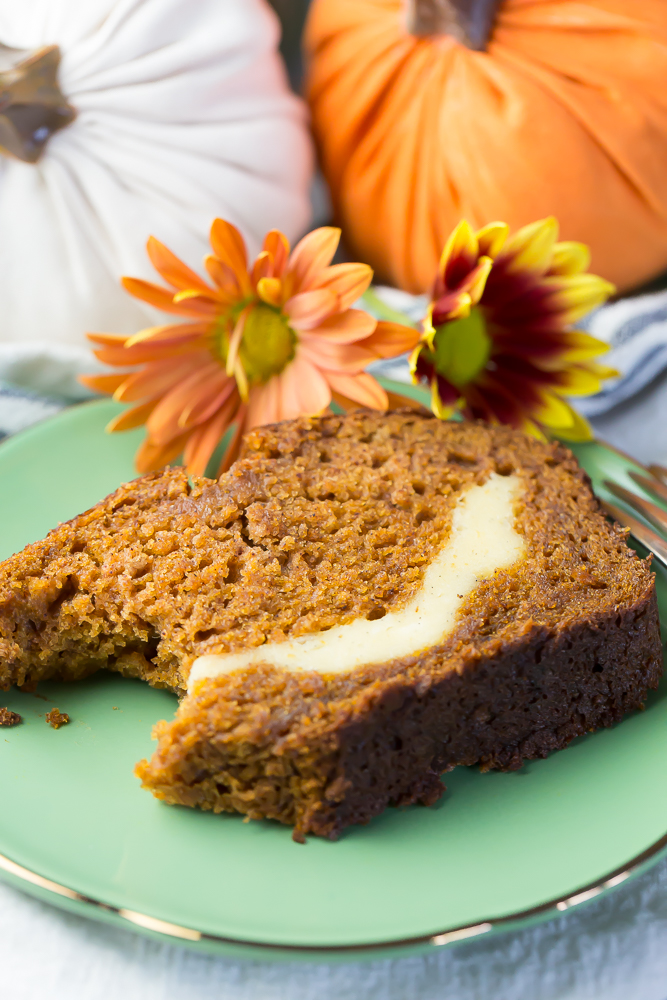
498, 341
266, 343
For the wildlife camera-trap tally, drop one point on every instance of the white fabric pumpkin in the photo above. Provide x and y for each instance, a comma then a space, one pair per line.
183, 114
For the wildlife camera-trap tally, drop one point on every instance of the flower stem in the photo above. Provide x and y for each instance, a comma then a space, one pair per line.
468, 21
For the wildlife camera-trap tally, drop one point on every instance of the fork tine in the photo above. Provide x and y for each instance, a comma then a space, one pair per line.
654, 543
659, 471
655, 486
656, 515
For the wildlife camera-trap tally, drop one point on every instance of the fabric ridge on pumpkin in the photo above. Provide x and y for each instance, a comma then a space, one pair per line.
564, 114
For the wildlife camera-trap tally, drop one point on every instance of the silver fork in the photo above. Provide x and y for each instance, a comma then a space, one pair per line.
654, 480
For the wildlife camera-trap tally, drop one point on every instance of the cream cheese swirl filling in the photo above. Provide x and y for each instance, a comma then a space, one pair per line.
483, 539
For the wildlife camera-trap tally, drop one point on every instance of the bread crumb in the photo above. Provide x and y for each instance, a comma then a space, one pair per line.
56, 718
8, 718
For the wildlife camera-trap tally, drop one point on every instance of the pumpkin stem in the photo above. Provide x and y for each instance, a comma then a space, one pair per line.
468, 21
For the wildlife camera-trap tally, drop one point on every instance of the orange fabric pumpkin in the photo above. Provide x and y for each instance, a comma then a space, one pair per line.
563, 113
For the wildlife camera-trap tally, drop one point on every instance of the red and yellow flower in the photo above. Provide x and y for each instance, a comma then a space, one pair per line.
262, 343
499, 342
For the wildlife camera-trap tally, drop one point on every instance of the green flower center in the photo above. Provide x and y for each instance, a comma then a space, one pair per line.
267, 345
462, 348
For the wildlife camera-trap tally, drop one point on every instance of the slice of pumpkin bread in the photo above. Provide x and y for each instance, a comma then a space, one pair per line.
360, 604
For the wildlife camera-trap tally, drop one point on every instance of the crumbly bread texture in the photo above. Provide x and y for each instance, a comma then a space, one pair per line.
322, 521
8, 718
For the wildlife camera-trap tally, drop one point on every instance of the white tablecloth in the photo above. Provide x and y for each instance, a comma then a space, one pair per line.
614, 948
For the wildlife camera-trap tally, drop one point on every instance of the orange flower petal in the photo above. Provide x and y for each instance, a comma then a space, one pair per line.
199, 304
222, 275
165, 420
234, 446
308, 309
262, 267
150, 457
391, 339
149, 351
311, 254
277, 244
167, 334
361, 388
336, 357
211, 397
235, 341
154, 295
264, 404
158, 377
103, 383
108, 339
343, 328
205, 439
347, 281
303, 390
396, 401
131, 418
229, 246
173, 270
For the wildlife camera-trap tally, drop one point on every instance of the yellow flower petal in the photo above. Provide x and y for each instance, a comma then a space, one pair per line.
270, 290
577, 381
603, 371
441, 411
462, 307
554, 412
578, 294
570, 258
476, 281
491, 239
531, 248
581, 346
530, 427
461, 243
579, 430
412, 361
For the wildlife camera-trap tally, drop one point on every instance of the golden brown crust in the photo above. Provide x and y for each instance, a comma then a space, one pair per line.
324, 520
271, 744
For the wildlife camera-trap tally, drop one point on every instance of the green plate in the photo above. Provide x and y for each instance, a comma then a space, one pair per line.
499, 850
